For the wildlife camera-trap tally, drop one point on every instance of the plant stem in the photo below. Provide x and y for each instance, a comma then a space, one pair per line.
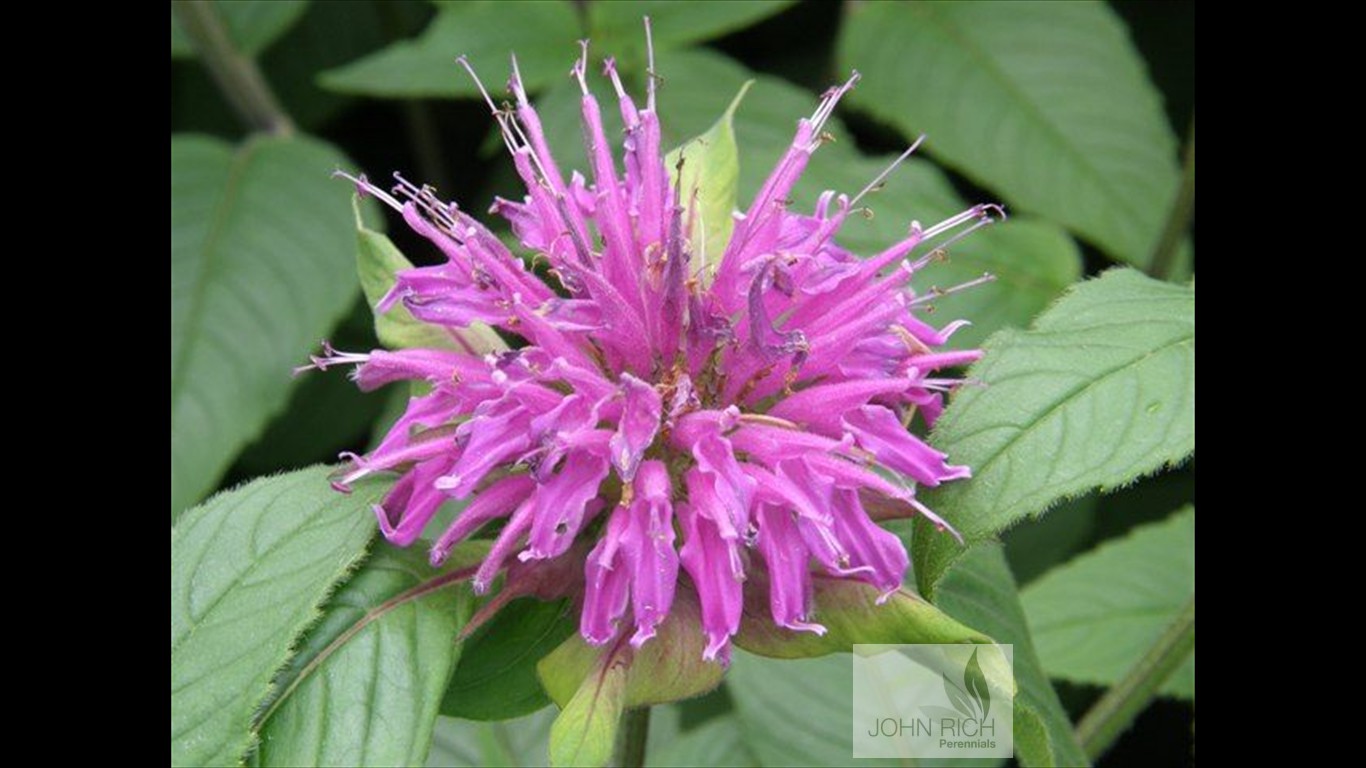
1119, 706
635, 729
423, 136
237, 75
1164, 262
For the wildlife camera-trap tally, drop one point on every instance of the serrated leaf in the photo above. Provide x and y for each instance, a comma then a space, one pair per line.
496, 678
1099, 392
1095, 616
252, 25
248, 571
542, 34
585, 731
378, 261
366, 685
978, 590
706, 181
259, 273
1048, 103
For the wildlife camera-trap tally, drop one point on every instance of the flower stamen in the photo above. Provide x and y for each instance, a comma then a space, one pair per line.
747, 407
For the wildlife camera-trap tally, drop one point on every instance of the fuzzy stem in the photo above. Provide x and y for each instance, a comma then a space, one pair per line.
237, 75
635, 730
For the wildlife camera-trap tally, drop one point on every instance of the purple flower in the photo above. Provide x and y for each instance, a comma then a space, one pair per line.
663, 413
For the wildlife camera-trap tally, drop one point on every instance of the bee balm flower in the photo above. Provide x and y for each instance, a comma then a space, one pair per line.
689, 422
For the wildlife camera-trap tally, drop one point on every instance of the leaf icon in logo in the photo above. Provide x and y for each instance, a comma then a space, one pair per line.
958, 697
976, 684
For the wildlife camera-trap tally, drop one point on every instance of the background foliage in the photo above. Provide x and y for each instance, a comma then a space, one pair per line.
296, 639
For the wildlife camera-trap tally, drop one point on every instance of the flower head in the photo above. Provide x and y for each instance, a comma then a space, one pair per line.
665, 416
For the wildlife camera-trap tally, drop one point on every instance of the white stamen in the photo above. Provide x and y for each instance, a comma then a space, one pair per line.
331, 357
441, 214
509, 138
465, 62
364, 186
609, 67
827, 108
650, 64
938, 293
881, 176
771, 421
580, 68
984, 215
978, 212
518, 89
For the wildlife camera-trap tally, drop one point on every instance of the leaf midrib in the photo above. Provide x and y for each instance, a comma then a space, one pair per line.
1029, 108
416, 592
208, 263
240, 578
1141, 612
1078, 392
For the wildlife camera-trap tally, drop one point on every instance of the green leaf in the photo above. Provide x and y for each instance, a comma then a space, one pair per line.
252, 25
259, 272
249, 569
706, 180
585, 731
795, 712
542, 33
366, 684
978, 591
330, 35
517, 743
496, 678
717, 742
618, 29
668, 668
850, 612
1048, 103
378, 261
1094, 617
1099, 392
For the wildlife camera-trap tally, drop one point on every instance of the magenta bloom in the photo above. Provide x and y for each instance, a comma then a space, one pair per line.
715, 417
